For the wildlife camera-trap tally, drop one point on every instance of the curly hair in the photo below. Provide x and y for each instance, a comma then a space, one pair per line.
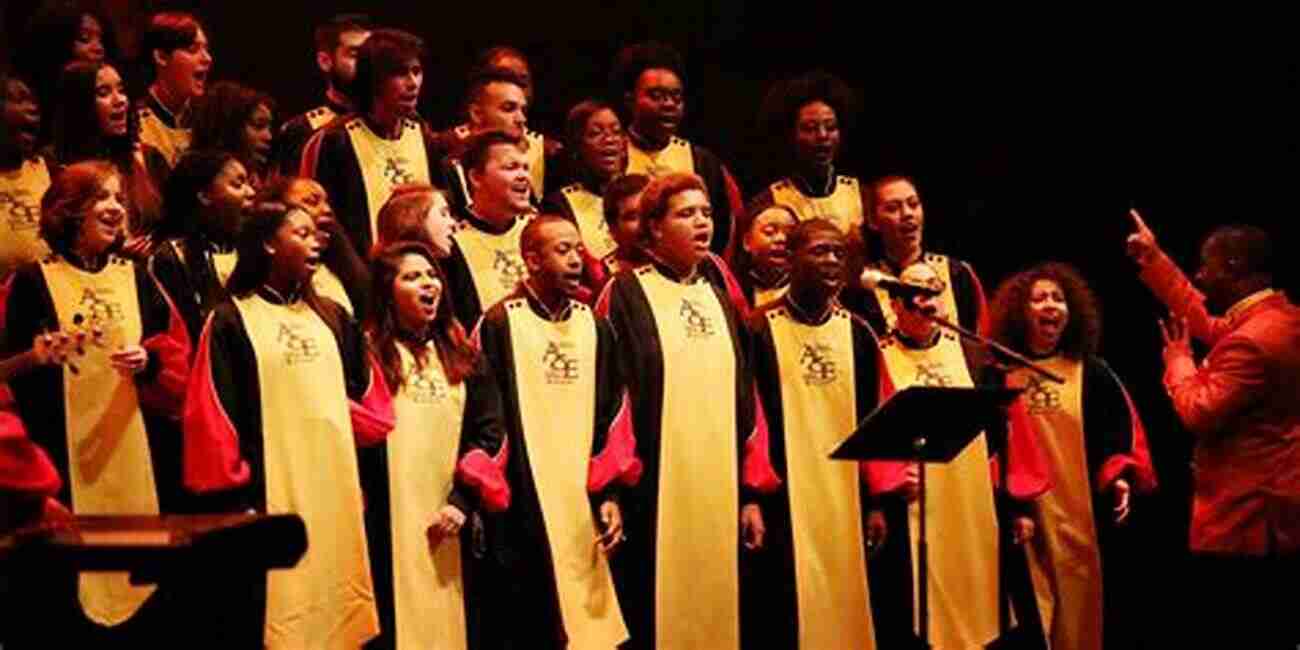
780, 107
222, 114
1082, 335
634, 60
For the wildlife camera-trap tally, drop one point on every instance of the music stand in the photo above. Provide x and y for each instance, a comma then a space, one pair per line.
924, 425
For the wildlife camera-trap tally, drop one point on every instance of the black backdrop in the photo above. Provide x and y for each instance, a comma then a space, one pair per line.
1030, 134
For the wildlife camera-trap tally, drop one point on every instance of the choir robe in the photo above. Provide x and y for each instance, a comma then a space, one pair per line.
1091, 435
359, 169
683, 157
160, 129
185, 283
837, 198
963, 296
543, 168
21, 190
485, 265
684, 356
758, 292
966, 551
432, 599
582, 204
817, 382
295, 132
561, 397
277, 403
111, 436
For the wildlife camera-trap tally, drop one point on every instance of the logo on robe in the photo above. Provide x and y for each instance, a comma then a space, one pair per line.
932, 374
20, 213
100, 317
698, 326
298, 349
425, 388
509, 267
395, 171
1042, 397
818, 367
560, 367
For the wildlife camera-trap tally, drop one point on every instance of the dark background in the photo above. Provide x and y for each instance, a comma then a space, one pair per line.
1030, 134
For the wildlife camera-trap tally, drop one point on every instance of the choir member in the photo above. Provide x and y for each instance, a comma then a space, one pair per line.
206, 196
343, 278
1240, 406
497, 97
338, 41
599, 155
806, 116
105, 415
684, 356
280, 397
360, 159
235, 118
485, 263
58, 33
561, 396
420, 213
621, 207
649, 78
816, 367
763, 259
892, 232
177, 47
448, 422
1092, 440
963, 529
93, 120
24, 177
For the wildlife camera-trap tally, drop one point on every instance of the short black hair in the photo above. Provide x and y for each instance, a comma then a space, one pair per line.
619, 190
478, 146
169, 31
329, 32
1250, 245
481, 78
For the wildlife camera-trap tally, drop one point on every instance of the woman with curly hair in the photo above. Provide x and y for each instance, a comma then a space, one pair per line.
1091, 437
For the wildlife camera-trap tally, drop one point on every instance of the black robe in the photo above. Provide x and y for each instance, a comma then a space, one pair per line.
520, 550
776, 603
641, 360
295, 132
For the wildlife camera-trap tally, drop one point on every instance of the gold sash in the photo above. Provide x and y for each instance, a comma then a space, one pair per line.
536, 162
819, 406
1064, 560
385, 163
329, 286
947, 300
555, 367
428, 588
310, 464
697, 582
963, 527
589, 211
20, 215
764, 296
110, 470
842, 208
494, 261
675, 158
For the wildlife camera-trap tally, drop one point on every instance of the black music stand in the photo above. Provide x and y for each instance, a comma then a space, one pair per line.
925, 425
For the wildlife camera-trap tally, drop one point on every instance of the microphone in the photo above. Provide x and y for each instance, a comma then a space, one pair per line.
874, 279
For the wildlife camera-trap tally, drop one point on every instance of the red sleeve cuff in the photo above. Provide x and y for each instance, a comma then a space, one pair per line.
617, 461
211, 460
486, 475
373, 418
758, 474
166, 393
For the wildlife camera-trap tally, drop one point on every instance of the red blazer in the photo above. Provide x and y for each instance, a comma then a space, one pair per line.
1243, 405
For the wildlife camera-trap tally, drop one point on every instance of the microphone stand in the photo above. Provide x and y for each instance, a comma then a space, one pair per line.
1002, 350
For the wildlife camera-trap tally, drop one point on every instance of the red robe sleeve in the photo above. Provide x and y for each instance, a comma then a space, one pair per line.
734, 292
171, 347
211, 458
737, 203
24, 466
883, 476
757, 471
487, 476
617, 462
373, 417
1137, 461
